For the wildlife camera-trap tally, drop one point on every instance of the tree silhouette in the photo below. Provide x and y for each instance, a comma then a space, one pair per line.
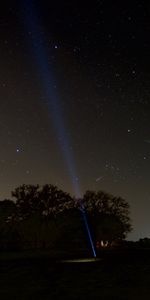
108, 215
27, 199
44, 216
47, 200
54, 200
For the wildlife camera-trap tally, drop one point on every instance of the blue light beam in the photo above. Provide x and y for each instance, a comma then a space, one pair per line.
88, 231
40, 55
54, 106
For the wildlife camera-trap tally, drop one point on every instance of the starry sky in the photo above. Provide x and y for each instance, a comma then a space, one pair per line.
75, 99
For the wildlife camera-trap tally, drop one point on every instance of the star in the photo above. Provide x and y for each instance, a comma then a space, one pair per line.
133, 72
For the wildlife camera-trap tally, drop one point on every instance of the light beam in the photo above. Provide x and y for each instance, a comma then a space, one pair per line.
40, 55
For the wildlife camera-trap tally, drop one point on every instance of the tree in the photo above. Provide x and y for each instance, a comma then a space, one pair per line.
108, 215
53, 200
47, 216
37, 210
27, 199
47, 200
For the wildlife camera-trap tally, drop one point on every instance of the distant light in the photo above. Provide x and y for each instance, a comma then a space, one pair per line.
18, 150
56, 47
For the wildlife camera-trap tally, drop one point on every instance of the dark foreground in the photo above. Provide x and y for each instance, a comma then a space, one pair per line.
119, 275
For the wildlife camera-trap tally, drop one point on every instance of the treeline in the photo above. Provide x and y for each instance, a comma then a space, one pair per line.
45, 217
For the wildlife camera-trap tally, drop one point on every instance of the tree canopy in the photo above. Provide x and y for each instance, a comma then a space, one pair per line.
47, 200
108, 215
42, 216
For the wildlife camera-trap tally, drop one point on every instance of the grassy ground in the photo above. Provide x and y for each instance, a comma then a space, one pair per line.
116, 276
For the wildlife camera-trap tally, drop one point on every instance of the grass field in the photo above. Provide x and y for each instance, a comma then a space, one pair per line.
115, 276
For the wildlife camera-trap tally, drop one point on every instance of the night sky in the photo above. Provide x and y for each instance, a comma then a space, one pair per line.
75, 99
